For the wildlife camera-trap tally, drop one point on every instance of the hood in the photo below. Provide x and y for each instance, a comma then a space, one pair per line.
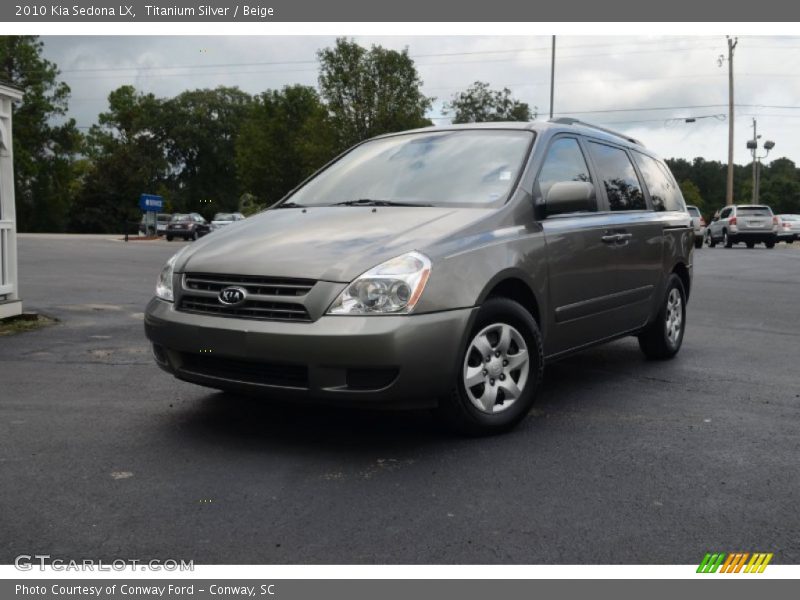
324, 243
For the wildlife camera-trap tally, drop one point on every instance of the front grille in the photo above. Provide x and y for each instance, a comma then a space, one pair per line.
295, 376
268, 298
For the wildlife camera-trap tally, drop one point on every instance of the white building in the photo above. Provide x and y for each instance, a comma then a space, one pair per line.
10, 304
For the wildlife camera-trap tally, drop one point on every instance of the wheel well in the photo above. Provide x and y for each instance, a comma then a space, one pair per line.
681, 271
518, 290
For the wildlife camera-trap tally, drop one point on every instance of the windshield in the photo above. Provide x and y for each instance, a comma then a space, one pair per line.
754, 211
441, 168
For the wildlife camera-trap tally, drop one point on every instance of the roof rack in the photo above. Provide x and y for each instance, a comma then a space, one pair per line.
571, 121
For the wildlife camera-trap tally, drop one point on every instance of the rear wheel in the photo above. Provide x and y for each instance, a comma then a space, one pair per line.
711, 241
499, 371
194, 235
769, 244
726, 240
751, 244
663, 337
698, 242
169, 238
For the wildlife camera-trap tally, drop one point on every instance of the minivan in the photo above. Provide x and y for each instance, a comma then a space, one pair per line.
436, 268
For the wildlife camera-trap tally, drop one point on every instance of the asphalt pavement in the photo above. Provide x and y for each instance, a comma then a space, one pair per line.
104, 456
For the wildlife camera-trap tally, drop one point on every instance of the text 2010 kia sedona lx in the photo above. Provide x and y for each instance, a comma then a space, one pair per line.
436, 268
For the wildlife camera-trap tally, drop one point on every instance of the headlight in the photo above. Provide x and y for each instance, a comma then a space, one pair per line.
393, 287
164, 283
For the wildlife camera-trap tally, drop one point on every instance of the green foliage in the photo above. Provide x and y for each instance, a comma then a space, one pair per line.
479, 104
127, 150
200, 131
45, 141
370, 92
779, 187
285, 137
691, 194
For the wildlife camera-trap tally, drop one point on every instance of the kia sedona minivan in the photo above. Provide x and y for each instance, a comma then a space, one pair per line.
439, 268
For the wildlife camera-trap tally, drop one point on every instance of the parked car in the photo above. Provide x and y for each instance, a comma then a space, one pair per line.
746, 223
441, 268
222, 219
187, 226
699, 225
788, 228
162, 219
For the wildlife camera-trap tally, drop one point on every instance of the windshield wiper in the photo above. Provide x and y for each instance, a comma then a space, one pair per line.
289, 205
371, 202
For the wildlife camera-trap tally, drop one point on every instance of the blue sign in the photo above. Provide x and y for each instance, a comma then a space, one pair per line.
151, 202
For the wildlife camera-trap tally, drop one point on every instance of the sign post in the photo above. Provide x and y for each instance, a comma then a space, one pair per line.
151, 205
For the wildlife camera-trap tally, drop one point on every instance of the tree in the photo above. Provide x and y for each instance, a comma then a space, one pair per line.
285, 137
45, 141
479, 104
370, 92
200, 131
691, 193
127, 153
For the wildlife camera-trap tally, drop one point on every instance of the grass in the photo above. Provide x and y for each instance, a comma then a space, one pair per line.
14, 325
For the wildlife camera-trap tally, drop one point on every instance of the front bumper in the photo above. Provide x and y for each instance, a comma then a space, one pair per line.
382, 361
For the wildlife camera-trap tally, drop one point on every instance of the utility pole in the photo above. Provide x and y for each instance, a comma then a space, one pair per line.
755, 168
729, 191
552, 75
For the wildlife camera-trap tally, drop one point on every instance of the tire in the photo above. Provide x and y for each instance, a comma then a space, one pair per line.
712, 243
194, 235
769, 245
485, 408
169, 238
726, 240
662, 338
751, 244
698, 242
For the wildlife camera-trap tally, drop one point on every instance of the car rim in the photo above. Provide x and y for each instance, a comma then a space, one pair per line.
496, 368
674, 321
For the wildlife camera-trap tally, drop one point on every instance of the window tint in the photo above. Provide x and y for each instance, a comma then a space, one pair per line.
564, 162
619, 177
664, 193
692, 210
725, 213
754, 211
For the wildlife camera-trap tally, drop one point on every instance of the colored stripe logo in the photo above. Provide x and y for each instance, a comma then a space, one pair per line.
735, 562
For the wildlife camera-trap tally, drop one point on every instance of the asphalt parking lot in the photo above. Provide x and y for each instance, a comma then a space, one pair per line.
102, 455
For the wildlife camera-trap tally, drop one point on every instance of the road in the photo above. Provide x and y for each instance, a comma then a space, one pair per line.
102, 455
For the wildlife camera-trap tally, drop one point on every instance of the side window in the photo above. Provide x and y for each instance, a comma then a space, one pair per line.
619, 177
725, 213
564, 162
663, 191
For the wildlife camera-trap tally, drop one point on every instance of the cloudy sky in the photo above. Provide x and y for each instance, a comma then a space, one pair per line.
614, 81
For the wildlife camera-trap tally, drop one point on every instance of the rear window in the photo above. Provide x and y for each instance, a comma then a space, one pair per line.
754, 211
177, 218
789, 218
693, 211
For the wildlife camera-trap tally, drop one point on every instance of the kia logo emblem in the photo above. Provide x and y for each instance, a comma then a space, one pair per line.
232, 296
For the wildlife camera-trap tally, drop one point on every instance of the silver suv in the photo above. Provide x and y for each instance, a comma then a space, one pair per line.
438, 268
750, 224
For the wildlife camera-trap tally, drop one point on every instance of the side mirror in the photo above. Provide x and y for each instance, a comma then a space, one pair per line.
569, 196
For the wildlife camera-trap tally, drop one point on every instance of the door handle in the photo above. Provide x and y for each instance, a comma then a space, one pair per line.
609, 239
624, 237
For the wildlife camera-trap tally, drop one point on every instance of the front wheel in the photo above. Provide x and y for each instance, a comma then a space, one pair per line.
663, 337
726, 240
769, 244
711, 241
169, 238
698, 242
751, 244
499, 371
